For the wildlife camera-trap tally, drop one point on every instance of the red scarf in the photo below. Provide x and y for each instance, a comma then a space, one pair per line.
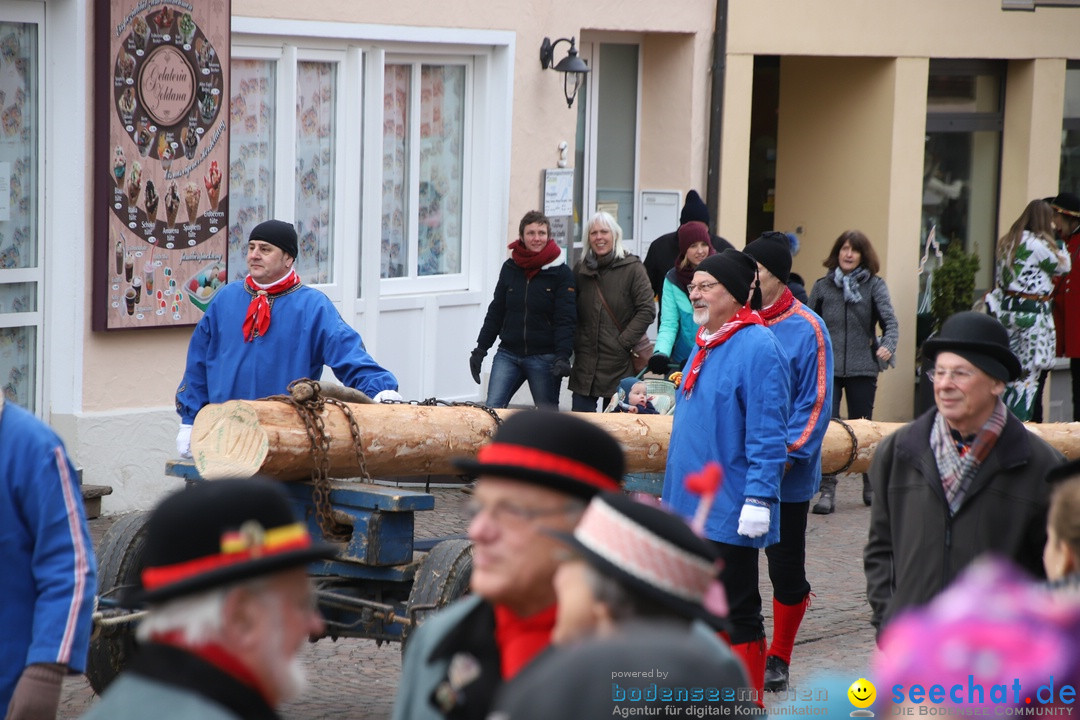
521, 639
778, 308
743, 318
218, 656
533, 262
257, 320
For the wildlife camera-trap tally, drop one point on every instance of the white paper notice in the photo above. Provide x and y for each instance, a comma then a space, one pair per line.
558, 192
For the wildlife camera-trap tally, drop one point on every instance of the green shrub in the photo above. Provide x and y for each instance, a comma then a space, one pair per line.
954, 283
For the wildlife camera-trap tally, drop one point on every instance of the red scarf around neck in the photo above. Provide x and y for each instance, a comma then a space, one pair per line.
778, 308
743, 318
533, 262
257, 319
520, 639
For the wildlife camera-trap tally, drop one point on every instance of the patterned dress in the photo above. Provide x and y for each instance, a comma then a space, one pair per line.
1021, 301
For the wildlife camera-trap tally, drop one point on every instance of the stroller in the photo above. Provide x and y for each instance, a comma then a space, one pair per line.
661, 392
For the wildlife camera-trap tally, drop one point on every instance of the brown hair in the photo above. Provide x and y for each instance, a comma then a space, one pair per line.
860, 244
533, 216
1064, 515
1037, 219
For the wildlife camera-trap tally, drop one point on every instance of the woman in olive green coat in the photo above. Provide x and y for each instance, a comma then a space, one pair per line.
605, 335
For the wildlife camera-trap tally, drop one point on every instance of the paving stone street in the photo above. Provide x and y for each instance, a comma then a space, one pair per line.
356, 679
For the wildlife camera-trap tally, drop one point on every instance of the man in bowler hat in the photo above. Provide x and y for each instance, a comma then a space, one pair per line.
230, 607
259, 335
534, 478
964, 478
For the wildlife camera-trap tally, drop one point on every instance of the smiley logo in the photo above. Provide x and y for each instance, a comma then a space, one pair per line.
862, 693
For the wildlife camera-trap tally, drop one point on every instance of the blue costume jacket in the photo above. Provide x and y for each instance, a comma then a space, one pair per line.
736, 415
677, 333
806, 342
50, 578
306, 332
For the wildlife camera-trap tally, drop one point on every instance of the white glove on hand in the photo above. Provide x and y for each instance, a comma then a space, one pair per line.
183, 441
753, 521
387, 395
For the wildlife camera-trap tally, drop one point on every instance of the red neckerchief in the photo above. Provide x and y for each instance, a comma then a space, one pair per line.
744, 318
257, 320
521, 639
218, 656
778, 308
533, 262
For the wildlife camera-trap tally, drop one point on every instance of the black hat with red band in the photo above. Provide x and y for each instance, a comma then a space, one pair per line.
216, 533
556, 450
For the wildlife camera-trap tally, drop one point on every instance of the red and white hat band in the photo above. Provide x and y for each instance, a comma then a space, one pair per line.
640, 553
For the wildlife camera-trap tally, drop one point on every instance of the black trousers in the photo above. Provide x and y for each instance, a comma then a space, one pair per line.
740, 579
860, 392
787, 558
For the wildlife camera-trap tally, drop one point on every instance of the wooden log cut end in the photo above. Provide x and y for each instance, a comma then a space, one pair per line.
227, 440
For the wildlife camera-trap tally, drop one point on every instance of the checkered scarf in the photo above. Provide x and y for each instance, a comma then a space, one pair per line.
958, 463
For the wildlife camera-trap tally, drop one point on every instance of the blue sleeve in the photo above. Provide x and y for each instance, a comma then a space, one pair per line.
193, 392
811, 389
565, 314
496, 311
669, 320
768, 396
64, 571
341, 347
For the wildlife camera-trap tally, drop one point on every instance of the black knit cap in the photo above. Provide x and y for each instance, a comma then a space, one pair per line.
555, 450
649, 551
1066, 203
978, 338
735, 270
278, 233
773, 251
694, 209
219, 532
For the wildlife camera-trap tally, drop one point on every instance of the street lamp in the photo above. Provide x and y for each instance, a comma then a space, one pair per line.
569, 65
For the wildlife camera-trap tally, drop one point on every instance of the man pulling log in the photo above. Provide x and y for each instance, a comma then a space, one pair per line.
236, 353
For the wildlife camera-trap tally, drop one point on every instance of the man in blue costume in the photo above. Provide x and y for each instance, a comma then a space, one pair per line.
809, 349
235, 353
733, 407
47, 597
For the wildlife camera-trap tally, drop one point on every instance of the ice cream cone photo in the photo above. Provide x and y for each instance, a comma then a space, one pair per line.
134, 184
119, 166
192, 195
151, 201
172, 204
213, 185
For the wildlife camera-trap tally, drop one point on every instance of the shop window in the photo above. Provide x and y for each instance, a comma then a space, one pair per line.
1070, 132
315, 140
961, 168
21, 272
251, 162
423, 169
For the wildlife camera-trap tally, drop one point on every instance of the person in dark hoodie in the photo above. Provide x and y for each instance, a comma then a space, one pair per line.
665, 249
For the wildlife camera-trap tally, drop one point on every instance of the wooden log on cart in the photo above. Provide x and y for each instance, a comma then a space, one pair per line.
245, 437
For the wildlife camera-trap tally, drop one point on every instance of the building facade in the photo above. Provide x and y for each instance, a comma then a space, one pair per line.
405, 140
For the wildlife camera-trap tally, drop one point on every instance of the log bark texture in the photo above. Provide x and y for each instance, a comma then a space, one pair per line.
245, 437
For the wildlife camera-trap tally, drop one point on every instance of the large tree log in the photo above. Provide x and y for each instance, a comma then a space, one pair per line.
243, 437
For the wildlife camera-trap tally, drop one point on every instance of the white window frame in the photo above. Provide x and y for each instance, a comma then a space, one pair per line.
34, 14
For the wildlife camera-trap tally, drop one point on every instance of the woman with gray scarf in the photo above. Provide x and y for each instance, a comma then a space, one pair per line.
853, 301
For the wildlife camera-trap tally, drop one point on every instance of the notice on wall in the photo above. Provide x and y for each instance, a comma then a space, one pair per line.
558, 192
161, 161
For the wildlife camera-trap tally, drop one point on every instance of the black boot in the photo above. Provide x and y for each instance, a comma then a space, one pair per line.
776, 674
827, 501
867, 492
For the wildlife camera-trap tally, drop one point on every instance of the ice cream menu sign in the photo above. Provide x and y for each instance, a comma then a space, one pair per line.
161, 162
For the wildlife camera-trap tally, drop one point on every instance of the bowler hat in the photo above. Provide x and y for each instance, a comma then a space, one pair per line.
1065, 203
216, 533
978, 338
556, 450
651, 552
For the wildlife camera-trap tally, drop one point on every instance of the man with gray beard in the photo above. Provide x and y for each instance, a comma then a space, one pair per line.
230, 607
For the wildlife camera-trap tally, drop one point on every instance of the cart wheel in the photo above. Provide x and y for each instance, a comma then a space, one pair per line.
443, 576
119, 563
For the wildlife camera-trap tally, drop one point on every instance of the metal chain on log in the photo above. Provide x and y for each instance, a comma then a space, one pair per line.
854, 447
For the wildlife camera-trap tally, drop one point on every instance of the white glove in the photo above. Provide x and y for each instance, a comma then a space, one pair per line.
183, 441
753, 520
387, 395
